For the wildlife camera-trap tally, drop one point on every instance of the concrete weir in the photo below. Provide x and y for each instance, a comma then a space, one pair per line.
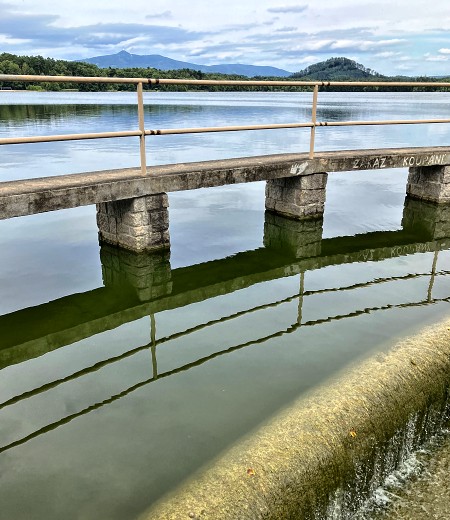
327, 452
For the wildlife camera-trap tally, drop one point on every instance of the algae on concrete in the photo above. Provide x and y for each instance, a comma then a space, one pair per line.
323, 455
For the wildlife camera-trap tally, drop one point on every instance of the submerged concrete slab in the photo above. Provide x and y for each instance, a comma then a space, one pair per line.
27, 197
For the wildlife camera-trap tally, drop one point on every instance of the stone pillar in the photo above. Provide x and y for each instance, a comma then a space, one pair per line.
138, 224
427, 218
300, 197
149, 274
301, 238
430, 183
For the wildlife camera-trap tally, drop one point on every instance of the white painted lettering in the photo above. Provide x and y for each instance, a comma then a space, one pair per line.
298, 169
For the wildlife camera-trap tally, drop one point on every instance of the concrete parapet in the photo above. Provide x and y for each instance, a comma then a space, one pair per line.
300, 197
138, 224
301, 238
328, 452
430, 183
149, 274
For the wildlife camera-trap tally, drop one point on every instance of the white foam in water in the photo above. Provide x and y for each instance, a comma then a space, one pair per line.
394, 465
388, 492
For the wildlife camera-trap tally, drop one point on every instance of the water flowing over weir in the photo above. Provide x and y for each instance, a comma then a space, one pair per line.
323, 457
356, 498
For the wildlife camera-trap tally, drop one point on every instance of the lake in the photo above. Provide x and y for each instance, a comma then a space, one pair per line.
114, 390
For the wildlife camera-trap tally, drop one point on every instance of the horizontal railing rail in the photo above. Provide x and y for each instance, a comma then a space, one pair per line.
142, 132
224, 82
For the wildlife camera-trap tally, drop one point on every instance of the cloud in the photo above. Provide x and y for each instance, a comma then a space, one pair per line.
286, 29
238, 27
254, 32
288, 9
363, 45
387, 54
164, 14
41, 30
431, 57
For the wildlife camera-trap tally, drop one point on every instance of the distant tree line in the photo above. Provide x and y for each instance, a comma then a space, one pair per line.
334, 69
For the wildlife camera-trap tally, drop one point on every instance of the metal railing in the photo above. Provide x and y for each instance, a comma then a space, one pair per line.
142, 132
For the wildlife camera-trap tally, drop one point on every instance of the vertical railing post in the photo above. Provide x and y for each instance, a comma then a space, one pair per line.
153, 345
140, 96
433, 275
313, 121
300, 297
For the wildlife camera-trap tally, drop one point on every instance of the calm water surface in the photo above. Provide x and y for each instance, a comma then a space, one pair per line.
121, 374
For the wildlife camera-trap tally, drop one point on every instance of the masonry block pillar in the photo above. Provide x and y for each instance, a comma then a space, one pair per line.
138, 224
301, 197
300, 238
149, 274
430, 183
427, 218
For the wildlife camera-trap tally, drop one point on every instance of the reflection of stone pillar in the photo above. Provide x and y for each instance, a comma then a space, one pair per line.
427, 217
139, 224
429, 183
148, 273
301, 238
300, 197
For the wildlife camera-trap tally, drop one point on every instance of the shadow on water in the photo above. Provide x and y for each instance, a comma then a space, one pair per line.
140, 285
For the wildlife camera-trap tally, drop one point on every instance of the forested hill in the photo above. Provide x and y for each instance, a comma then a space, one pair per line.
341, 69
337, 69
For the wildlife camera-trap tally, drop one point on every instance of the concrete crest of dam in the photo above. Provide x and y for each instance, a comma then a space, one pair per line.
326, 454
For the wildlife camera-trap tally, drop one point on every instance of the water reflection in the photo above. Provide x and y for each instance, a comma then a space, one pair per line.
139, 285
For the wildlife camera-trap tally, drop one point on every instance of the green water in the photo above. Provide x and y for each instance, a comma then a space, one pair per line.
122, 374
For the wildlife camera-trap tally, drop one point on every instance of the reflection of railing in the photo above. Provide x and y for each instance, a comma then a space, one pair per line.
142, 132
154, 343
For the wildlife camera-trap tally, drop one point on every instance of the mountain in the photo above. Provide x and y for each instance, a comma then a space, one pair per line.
124, 59
336, 69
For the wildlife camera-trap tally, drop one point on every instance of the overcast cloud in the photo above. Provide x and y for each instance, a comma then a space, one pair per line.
405, 37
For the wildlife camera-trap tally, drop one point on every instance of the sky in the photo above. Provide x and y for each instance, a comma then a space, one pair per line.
408, 37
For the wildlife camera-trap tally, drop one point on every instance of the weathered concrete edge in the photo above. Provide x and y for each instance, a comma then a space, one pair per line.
27, 197
286, 467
